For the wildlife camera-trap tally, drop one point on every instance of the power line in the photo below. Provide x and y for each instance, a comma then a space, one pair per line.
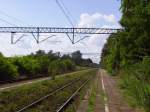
14, 18
64, 12
8, 22
67, 11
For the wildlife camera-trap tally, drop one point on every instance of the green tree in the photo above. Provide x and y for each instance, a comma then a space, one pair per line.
8, 71
128, 51
77, 57
26, 65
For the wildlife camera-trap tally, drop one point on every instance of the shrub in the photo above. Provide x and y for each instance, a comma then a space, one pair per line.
26, 65
43, 62
54, 68
8, 71
69, 64
60, 66
135, 82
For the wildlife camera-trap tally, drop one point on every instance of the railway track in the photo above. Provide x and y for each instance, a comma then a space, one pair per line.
64, 105
46, 96
15, 83
70, 99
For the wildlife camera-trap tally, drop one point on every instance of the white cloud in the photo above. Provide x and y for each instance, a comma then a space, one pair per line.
87, 20
92, 44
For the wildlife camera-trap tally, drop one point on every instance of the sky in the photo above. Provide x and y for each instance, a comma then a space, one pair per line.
47, 13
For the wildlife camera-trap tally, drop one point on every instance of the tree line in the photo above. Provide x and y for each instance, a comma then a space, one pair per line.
127, 53
40, 64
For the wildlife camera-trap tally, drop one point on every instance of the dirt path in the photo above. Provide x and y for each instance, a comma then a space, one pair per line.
108, 96
115, 101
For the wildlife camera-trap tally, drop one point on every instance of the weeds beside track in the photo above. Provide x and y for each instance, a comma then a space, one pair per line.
16, 99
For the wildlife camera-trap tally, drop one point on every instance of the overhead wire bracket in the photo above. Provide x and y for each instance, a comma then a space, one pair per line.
36, 37
81, 39
14, 42
47, 38
70, 38
73, 35
12, 37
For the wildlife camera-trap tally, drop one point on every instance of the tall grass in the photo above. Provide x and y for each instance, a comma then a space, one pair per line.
136, 88
14, 99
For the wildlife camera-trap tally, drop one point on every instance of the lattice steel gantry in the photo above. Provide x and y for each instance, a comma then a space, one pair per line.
36, 31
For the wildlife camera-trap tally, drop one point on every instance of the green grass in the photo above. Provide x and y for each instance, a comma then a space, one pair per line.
77, 100
14, 99
135, 91
95, 90
92, 98
82, 68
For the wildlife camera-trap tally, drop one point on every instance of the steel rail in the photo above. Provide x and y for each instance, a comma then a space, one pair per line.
46, 96
61, 108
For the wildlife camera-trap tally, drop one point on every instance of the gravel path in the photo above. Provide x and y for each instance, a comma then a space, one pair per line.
115, 101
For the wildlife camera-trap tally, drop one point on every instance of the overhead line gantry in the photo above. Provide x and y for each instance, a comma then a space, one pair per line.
70, 32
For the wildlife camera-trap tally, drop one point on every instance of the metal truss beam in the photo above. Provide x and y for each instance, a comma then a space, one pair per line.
70, 32
58, 30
